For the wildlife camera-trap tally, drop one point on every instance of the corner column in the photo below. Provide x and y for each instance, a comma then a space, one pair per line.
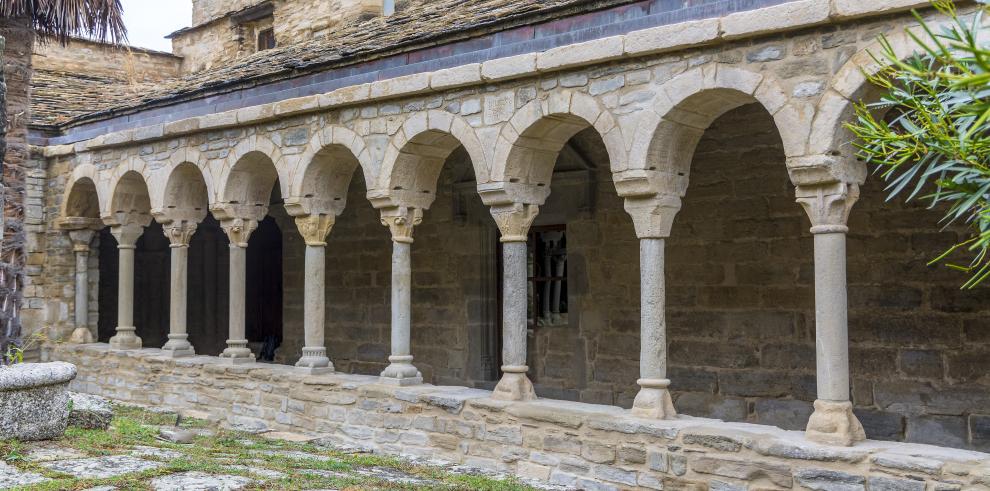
514, 221
828, 205
653, 217
179, 234
238, 230
314, 229
127, 229
401, 221
80, 246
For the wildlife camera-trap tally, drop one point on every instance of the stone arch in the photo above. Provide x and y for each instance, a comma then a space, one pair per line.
527, 146
130, 195
323, 172
254, 163
687, 105
185, 191
415, 157
82, 196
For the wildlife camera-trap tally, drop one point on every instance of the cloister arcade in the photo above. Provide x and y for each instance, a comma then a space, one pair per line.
513, 161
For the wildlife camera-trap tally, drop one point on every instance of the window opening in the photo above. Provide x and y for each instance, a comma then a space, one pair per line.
266, 39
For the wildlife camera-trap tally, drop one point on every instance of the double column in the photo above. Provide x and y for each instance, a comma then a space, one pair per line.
514, 221
828, 205
314, 229
127, 229
238, 225
653, 217
400, 222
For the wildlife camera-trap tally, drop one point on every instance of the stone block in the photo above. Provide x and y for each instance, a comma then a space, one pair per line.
786, 16
907, 463
399, 86
921, 363
786, 414
747, 470
947, 431
456, 77
979, 430
829, 480
529, 470
598, 453
881, 425
509, 67
595, 51
616, 474
856, 8
880, 483
671, 37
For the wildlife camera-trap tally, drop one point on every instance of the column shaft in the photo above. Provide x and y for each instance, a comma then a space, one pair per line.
125, 337
653, 399
514, 385
314, 357
831, 331
178, 344
401, 370
82, 290
237, 350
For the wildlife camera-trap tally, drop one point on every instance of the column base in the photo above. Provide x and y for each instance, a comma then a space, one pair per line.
237, 353
125, 339
514, 385
178, 346
833, 423
81, 335
653, 400
314, 361
401, 372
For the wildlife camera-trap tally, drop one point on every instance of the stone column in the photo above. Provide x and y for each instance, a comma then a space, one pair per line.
238, 231
314, 229
126, 231
828, 206
401, 222
80, 246
653, 218
179, 234
513, 222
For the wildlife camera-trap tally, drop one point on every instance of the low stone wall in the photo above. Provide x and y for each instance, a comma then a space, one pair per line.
580, 445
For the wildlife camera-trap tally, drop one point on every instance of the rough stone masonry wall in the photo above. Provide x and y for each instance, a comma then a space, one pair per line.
89, 58
577, 445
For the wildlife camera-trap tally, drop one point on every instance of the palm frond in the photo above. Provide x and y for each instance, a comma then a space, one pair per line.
62, 20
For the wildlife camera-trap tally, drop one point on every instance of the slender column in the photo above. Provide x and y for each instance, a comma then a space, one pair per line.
80, 246
401, 222
179, 234
238, 231
513, 222
314, 229
127, 234
828, 206
653, 217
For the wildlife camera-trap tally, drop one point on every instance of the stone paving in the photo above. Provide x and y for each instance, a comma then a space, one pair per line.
132, 455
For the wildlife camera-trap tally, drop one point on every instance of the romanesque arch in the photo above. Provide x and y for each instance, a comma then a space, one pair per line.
130, 195
250, 171
323, 173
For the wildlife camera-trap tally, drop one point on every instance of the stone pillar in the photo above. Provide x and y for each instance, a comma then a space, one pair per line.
828, 206
179, 234
401, 222
238, 231
126, 231
314, 229
653, 218
80, 246
513, 222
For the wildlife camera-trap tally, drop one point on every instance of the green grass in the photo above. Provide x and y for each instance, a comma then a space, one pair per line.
214, 454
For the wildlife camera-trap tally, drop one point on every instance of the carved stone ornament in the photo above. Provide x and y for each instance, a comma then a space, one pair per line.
179, 233
401, 221
81, 239
239, 230
828, 205
514, 220
653, 216
315, 228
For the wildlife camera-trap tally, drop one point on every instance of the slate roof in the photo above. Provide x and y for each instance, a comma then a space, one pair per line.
58, 98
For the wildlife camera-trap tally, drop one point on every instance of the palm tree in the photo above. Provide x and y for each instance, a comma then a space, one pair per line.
22, 22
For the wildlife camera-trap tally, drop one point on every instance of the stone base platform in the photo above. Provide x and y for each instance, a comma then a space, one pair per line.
577, 445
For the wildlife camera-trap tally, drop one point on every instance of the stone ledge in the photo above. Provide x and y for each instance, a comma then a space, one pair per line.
785, 17
573, 444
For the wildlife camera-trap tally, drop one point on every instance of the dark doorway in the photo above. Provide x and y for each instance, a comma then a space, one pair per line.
209, 258
264, 290
151, 286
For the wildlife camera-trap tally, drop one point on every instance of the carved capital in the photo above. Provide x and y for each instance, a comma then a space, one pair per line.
81, 239
401, 221
828, 205
179, 233
127, 227
653, 216
514, 220
315, 228
239, 230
